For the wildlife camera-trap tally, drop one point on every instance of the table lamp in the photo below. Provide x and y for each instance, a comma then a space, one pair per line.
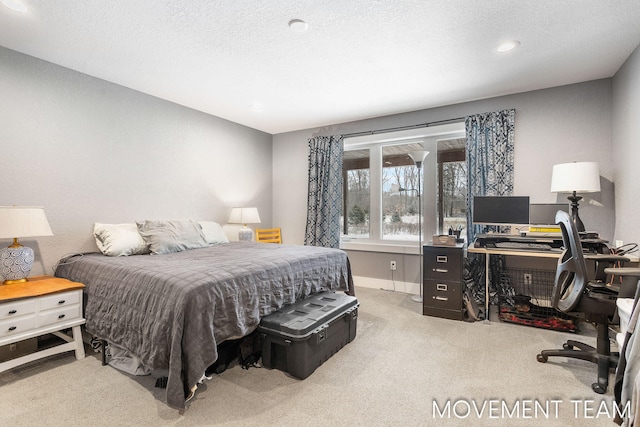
16, 222
576, 177
244, 216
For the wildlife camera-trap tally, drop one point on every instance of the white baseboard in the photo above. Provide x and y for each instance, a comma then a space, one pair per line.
374, 283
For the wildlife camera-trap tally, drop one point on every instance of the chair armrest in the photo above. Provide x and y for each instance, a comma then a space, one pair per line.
623, 271
630, 276
606, 258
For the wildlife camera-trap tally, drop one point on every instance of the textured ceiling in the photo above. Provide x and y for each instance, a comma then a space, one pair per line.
358, 59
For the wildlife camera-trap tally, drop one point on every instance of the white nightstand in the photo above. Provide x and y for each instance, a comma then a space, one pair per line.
43, 305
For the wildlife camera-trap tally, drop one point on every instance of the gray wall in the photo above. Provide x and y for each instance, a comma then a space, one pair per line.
626, 148
563, 124
91, 151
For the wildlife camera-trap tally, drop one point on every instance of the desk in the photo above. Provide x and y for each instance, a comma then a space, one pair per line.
496, 251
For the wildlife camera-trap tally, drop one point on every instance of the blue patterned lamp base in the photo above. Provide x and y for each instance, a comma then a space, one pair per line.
245, 234
16, 263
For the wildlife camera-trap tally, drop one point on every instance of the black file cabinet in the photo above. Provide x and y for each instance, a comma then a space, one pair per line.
442, 281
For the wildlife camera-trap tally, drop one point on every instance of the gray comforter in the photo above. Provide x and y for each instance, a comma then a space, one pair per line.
171, 310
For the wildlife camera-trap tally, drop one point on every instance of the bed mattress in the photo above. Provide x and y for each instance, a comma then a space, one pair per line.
171, 310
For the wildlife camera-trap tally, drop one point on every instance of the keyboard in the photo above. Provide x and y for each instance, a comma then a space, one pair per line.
524, 246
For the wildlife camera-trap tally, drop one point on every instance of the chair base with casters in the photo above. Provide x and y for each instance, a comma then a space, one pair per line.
601, 355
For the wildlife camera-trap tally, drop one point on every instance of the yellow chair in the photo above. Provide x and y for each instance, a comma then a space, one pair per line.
268, 235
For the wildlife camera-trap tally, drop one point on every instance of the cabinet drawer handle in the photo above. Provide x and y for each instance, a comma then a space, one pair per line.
13, 311
61, 316
441, 286
61, 301
440, 270
442, 298
441, 258
12, 328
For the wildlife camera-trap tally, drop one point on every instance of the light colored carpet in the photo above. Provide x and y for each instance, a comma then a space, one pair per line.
391, 374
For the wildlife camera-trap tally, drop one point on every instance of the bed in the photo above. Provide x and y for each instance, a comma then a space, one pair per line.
171, 310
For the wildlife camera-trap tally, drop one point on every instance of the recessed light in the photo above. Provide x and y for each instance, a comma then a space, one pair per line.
507, 46
298, 25
15, 5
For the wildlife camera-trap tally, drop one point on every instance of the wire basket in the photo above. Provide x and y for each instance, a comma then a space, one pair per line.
527, 301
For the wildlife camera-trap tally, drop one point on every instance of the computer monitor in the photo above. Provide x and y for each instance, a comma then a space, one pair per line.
501, 210
544, 214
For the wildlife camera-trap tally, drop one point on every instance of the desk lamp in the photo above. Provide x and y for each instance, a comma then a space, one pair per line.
576, 177
244, 216
16, 222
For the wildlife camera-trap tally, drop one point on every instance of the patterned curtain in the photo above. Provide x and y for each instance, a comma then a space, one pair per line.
324, 203
489, 156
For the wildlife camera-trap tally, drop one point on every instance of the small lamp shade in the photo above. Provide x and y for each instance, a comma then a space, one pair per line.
577, 177
244, 216
16, 222
581, 177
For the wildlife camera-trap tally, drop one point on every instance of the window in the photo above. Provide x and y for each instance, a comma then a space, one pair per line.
400, 208
375, 212
356, 199
452, 186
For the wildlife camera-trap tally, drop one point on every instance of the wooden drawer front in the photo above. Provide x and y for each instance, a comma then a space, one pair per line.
443, 264
17, 325
60, 300
60, 315
17, 308
442, 294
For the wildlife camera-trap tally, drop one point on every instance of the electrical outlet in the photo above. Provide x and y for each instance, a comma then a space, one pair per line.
619, 243
392, 266
526, 278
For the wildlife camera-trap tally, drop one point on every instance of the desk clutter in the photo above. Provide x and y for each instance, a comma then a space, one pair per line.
552, 242
444, 239
522, 294
525, 299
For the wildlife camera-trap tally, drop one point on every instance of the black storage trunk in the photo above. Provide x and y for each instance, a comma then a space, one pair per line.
300, 337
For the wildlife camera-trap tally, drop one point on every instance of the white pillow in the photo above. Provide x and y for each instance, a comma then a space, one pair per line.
213, 232
119, 239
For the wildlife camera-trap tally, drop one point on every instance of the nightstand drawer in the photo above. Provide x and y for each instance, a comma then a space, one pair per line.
41, 305
60, 315
18, 325
13, 309
60, 300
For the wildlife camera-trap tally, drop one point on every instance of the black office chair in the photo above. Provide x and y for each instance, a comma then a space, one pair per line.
578, 292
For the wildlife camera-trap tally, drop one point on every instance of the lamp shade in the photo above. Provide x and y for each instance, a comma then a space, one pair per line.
23, 221
418, 157
244, 216
581, 177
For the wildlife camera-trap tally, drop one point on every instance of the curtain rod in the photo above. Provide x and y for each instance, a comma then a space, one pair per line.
399, 128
